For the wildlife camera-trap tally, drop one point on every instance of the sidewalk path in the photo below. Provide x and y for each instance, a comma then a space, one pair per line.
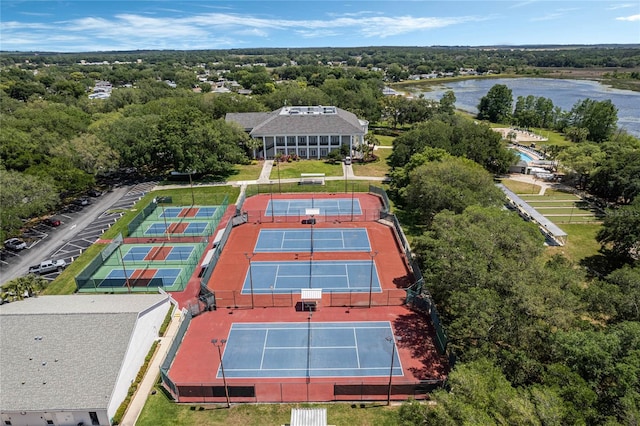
266, 171
146, 386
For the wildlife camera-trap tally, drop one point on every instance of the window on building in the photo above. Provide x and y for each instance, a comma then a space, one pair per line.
280, 140
324, 140
313, 152
335, 140
94, 418
303, 153
324, 152
291, 140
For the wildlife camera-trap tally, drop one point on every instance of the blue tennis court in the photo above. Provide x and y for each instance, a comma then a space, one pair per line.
165, 277
177, 228
187, 212
327, 206
292, 240
333, 276
308, 349
158, 253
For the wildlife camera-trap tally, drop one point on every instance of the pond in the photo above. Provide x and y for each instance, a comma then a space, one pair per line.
563, 92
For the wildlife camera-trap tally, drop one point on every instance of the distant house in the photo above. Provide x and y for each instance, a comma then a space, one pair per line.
69, 360
310, 132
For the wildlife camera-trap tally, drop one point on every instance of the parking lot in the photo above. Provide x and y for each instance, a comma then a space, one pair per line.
80, 227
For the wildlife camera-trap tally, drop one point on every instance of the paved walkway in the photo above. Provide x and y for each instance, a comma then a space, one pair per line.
266, 171
146, 386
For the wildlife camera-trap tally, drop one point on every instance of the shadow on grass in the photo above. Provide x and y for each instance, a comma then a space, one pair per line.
602, 264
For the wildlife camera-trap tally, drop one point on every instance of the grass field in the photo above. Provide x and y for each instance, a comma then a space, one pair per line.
293, 169
160, 410
385, 140
247, 172
378, 168
521, 187
549, 195
581, 242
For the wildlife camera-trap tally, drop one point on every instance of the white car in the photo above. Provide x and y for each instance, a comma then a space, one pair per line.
15, 244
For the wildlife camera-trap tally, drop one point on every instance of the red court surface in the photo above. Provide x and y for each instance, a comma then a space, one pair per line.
158, 253
194, 368
229, 275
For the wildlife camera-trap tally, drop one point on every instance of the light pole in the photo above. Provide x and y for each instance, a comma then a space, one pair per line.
372, 254
309, 351
312, 221
193, 198
166, 228
352, 196
279, 187
273, 216
224, 378
393, 355
250, 275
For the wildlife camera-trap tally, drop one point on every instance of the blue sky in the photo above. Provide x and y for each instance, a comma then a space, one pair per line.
80, 26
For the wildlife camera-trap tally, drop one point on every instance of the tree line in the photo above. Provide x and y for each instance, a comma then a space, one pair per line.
538, 340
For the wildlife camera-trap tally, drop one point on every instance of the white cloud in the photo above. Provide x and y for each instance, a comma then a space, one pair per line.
632, 18
621, 6
548, 17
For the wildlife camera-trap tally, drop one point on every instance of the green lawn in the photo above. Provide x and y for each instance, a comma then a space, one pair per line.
293, 169
550, 195
160, 410
559, 203
581, 242
385, 140
521, 187
378, 168
247, 172
565, 211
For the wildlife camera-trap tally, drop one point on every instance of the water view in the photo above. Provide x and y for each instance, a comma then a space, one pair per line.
563, 93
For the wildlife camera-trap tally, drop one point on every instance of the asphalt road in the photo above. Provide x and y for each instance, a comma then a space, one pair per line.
73, 224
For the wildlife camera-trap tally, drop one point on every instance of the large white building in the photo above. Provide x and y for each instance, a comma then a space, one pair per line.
69, 360
309, 132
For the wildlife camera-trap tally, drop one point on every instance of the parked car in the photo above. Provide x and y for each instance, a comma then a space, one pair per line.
15, 244
52, 221
94, 193
48, 266
81, 201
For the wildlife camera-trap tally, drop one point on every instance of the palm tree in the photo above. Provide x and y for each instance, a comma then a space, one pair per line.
22, 287
372, 141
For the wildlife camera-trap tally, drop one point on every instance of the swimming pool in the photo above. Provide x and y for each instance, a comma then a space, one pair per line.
524, 157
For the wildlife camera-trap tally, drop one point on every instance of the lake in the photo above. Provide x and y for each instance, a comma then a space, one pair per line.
563, 93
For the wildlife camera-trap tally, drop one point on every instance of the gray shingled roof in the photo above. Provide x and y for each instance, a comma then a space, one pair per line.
274, 123
248, 120
65, 352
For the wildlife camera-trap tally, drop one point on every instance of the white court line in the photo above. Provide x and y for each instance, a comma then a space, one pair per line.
264, 348
355, 338
312, 347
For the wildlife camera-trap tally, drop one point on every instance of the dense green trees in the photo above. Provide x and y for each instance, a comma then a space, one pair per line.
457, 135
496, 105
620, 232
599, 118
22, 197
